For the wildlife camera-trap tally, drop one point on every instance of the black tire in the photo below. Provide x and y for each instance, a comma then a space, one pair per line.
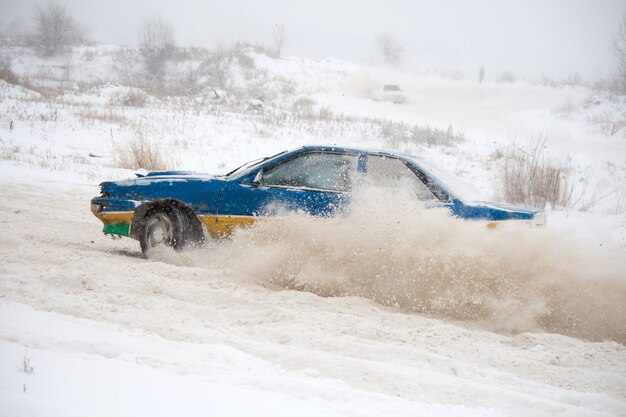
164, 225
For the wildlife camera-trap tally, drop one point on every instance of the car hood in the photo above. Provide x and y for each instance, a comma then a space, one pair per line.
502, 206
494, 211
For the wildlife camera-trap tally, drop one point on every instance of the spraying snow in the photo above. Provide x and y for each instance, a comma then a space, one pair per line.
397, 253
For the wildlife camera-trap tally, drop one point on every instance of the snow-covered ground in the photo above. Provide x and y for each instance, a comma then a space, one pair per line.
90, 327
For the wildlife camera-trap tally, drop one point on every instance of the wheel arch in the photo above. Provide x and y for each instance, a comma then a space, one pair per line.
140, 213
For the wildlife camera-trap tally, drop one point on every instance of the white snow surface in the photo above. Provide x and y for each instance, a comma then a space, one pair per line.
89, 327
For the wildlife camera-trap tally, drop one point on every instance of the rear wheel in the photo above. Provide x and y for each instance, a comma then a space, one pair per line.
164, 226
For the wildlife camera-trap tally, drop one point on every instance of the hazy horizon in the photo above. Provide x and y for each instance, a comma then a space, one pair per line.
532, 38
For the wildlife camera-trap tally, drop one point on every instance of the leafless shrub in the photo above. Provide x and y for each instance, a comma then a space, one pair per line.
106, 116
609, 124
157, 46
390, 48
125, 60
190, 53
547, 81
261, 49
7, 74
396, 133
221, 65
218, 64
49, 161
78, 158
506, 77
288, 87
26, 366
46, 92
434, 136
620, 199
10, 151
244, 59
134, 97
89, 55
529, 177
303, 105
573, 80
139, 153
55, 29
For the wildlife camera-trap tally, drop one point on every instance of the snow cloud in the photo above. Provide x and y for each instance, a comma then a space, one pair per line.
390, 249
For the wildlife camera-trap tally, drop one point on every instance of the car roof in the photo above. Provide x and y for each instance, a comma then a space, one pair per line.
326, 148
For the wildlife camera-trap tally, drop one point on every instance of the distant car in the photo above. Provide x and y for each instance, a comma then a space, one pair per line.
393, 93
179, 208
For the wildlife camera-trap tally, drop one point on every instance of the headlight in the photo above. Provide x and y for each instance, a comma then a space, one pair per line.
96, 207
539, 219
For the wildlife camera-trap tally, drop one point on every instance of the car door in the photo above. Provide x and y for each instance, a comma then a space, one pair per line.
317, 183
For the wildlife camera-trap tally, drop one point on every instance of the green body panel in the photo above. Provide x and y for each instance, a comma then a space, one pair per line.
121, 229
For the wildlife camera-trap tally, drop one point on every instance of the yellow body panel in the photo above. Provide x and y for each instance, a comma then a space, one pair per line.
217, 226
503, 223
115, 217
221, 226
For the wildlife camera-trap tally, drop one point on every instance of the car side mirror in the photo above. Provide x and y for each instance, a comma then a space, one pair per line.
257, 178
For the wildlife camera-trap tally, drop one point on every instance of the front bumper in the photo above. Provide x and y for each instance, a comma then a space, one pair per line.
114, 214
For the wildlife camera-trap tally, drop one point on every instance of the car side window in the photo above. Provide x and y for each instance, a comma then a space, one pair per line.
315, 170
393, 173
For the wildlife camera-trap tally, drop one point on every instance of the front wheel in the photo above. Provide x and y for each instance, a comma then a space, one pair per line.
164, 226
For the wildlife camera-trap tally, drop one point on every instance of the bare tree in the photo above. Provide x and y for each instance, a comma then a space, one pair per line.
221, 68
55, 29
390, 48
619, 53
279, 39
157, 46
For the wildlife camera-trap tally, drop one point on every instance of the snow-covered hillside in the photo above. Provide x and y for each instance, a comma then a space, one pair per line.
308, 318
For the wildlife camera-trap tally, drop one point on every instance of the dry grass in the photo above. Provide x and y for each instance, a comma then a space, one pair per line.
134, 98
396, 133
529, 177
9, 151
7, 74
139, 153
105, 116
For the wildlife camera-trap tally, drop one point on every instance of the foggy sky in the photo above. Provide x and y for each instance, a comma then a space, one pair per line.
530, 38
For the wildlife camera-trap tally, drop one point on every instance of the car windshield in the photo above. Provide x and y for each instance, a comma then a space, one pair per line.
251, 164
392, 87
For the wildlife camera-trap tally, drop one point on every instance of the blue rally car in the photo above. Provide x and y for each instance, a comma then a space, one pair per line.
178, 208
